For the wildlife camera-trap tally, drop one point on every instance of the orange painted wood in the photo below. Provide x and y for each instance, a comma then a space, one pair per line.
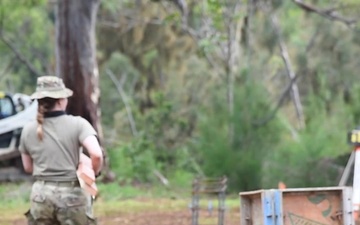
86, 175
312, 208
91, 189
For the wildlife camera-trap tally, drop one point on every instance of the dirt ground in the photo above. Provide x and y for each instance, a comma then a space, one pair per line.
171, 218
161, 218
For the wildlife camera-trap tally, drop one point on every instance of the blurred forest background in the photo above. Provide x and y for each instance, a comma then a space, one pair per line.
261, 91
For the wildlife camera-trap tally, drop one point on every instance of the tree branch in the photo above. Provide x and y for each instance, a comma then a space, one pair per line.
290, 72
312, 41
7, 68
329, 13
279, 103
197, 37
124, 99
19, 56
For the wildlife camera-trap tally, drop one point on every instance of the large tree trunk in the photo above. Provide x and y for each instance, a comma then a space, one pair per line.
76, 57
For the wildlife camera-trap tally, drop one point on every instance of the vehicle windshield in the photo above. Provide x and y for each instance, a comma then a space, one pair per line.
6, 107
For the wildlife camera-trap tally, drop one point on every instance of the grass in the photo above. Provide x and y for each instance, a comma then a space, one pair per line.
113, 200
14, 201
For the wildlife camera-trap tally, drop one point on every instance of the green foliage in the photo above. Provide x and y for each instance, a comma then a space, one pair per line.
14, 194
113, 6
153, 148
356, 36
181, 179
276, 3
252, 156
134, 161
216, 10
27, 27
309, 160
240, 157
161, 127
115, 192
269, 38
125, 75
149, 57
353, 105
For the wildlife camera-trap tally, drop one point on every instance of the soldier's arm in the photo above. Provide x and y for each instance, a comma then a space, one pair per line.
27, 162
93, 147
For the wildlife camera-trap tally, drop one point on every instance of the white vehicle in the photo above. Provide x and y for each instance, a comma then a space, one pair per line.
15, 111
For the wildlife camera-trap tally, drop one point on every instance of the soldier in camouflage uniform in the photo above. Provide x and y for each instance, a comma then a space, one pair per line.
50, 151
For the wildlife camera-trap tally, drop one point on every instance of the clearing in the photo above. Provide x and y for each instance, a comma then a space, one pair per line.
115, 208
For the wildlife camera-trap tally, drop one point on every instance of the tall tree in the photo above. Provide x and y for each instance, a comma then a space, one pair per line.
76, 57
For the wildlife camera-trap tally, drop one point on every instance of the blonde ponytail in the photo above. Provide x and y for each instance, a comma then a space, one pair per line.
44, 105
40, 120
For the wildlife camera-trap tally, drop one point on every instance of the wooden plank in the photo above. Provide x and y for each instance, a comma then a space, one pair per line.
245, 211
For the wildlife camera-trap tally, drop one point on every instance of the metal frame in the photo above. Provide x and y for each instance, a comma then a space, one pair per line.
208, 186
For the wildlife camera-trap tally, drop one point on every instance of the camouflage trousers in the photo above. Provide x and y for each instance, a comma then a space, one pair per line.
59, 204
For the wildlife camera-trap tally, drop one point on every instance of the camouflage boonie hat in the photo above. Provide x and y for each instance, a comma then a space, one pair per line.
51, 87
